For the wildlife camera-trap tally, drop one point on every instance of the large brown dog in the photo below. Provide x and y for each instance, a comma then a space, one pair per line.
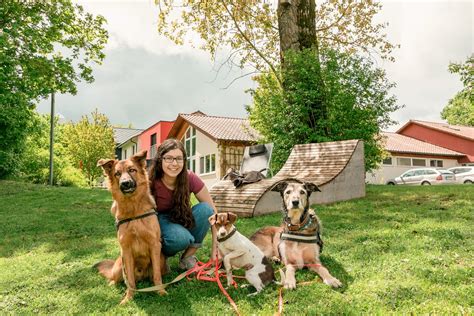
297, 242
138, 230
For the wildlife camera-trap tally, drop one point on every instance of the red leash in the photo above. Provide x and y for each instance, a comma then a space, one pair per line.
203, 270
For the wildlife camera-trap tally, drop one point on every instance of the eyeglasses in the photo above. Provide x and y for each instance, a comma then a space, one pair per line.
169, 159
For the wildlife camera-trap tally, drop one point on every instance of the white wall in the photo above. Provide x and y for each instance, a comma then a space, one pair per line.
130, 148
206, 146
386, 172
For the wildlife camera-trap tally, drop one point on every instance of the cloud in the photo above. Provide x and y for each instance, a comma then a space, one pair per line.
139, 87
146, 78
431, 34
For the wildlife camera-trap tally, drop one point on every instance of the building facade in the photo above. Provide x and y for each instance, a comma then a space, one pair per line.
153, 136
424, 144
213, 144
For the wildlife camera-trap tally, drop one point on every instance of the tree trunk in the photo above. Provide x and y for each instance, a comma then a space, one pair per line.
297, 25
297, 29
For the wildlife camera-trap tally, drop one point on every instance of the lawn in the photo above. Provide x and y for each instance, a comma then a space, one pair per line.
400, 250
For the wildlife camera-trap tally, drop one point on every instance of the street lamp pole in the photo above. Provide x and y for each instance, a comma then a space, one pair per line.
51, 141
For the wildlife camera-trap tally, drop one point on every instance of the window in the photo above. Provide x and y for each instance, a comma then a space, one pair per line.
125, 154
419, 162
387, 161
420, 172
460, 170
208, 164
189, 141
152, 145
404, 161
409, 174
436, 163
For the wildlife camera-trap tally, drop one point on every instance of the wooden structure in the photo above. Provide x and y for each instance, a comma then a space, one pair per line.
336, 167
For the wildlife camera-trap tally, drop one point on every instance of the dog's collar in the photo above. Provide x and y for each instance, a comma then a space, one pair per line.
232, 232
119, 222
305, 223
310, 239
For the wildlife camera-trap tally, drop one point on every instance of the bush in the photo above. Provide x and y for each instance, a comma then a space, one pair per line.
350, 102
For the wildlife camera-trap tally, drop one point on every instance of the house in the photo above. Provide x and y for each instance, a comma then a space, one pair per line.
153, 136
213, 143
454, 137
126, 142
424, 144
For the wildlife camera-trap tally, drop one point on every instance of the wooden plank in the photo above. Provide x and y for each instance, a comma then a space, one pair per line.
221, 197
235, 205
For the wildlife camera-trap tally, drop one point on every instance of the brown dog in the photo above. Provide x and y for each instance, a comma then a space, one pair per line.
138, 230
298, 241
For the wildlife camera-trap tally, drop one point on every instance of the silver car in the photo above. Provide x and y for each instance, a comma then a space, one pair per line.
464, 174
424, 176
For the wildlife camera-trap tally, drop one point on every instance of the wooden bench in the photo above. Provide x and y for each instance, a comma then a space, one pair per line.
336, 167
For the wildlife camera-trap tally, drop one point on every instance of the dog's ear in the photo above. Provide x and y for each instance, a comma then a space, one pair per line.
231, 217
140, 158
311, 187
280, 186
212, 219
107, 165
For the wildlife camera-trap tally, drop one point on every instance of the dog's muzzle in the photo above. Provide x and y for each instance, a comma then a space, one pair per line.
128, 186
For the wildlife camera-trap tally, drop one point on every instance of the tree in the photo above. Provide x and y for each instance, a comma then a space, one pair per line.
358, 104
460, 109
34, 163
45, 47
251, 29
88, 141
294, 102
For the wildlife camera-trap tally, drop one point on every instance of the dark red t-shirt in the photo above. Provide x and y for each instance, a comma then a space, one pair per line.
164, 196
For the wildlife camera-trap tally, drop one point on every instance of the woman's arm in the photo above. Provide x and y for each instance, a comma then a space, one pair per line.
205, 196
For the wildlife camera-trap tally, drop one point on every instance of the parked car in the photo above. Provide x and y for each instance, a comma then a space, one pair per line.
464, 174
424, 176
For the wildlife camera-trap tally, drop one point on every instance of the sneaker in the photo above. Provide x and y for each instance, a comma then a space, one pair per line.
187, 263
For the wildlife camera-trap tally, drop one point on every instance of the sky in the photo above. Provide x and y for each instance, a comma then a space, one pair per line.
146, 78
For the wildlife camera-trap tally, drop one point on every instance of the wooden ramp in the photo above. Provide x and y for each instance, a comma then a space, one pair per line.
336, 167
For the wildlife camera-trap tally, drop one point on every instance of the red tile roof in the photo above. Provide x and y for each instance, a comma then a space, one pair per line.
403, 144
219, 128
458, 130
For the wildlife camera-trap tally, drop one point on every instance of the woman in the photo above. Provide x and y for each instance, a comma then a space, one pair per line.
182, 227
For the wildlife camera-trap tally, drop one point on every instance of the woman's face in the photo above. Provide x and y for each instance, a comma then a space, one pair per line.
173, 163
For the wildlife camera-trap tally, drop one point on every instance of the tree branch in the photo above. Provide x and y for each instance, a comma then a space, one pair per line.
259, 53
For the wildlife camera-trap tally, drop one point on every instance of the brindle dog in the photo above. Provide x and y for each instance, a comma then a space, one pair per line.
138, 230
298, 240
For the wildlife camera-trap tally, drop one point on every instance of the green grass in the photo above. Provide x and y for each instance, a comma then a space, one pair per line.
400, 250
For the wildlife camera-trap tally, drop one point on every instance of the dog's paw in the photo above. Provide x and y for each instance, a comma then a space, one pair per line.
290, 285
333, 282
125, 300
112, 283
275, 259
162, 292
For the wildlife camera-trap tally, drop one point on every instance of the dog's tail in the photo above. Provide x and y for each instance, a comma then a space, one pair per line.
106, 269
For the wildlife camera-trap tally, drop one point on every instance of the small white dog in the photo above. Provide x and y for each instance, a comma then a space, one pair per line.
239, 252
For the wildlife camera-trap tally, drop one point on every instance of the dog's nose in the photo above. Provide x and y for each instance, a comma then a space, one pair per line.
295, 203
126, 185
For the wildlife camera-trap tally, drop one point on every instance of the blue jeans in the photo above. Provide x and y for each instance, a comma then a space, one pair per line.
176, 237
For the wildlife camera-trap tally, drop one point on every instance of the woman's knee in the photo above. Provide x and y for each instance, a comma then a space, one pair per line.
176, 240
202, 211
